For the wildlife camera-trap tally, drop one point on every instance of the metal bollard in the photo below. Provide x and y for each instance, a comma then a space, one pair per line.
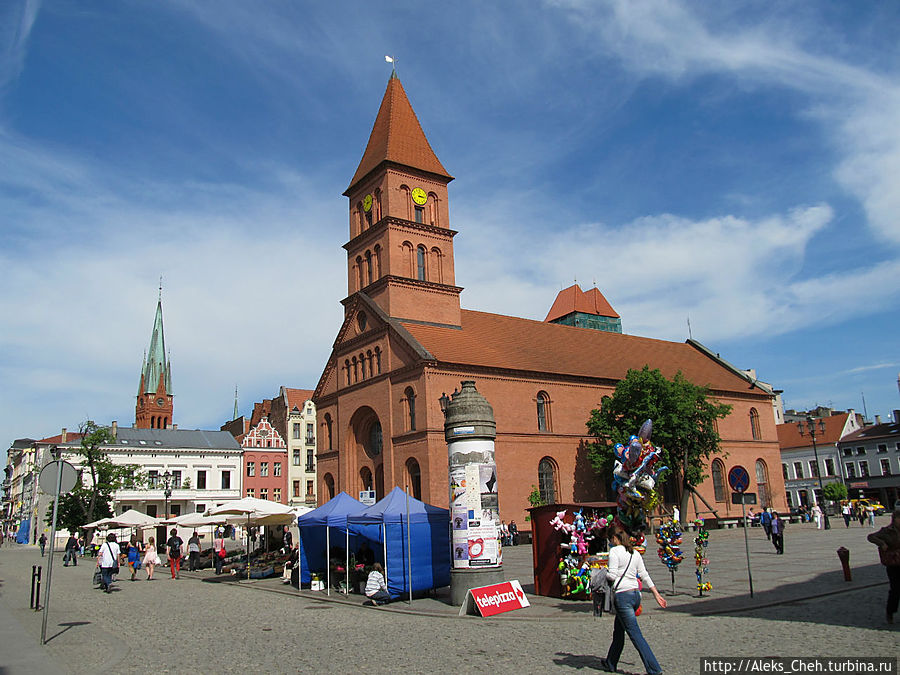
36, 588
844, 557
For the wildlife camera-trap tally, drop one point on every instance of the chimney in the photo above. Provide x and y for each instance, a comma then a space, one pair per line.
63, 436
877, 419
115, 429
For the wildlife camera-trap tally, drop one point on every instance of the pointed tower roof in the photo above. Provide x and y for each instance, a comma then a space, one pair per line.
155, 362
573, 299
397, 137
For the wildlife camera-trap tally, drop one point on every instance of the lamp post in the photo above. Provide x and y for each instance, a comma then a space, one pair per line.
167, 490
811, 429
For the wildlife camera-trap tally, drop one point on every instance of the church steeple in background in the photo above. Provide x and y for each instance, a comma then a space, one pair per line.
155, 404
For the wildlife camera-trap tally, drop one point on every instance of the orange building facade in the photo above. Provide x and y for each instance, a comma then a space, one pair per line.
405, 341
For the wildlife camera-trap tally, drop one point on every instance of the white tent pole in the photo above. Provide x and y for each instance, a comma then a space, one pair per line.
347, 564
327, 558
408, 549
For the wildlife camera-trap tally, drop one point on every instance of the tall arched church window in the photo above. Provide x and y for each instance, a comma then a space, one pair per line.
410, 409
376, 206
347, 369
377, 261
420, 263
762, 483
328, 481
362, 365
754, 424
359, 272
408, 262
414, 478
547, 480
328, 428
355, 369
378, 360
718, 478
369, 266
543, 411
437, 265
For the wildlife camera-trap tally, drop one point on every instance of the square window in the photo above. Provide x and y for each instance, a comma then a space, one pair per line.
264, 493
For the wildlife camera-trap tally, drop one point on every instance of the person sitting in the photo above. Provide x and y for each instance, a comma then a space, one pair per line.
376, 587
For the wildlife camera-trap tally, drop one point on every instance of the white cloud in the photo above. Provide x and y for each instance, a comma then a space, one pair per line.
16, 21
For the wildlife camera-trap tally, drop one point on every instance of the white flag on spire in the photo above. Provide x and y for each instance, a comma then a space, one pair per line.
389, 59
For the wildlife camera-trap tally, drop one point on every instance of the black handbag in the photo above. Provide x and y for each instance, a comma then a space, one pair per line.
97, 577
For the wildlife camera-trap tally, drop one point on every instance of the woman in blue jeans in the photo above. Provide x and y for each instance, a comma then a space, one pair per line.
625, 566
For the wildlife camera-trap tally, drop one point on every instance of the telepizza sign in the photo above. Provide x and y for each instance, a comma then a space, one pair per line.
496, 599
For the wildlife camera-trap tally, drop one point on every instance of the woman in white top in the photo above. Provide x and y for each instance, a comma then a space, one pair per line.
625, 566
108, 561
376, 587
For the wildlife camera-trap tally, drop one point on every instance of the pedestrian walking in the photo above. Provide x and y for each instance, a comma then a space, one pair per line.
134, 556
817, 516
847, 512
174, 545
625, 567
861, 515
193, 552
777, 526
765, 519
42, 542
514, 532
70, 555
870, 514
108, 562
887, 539
151, 558
219, 552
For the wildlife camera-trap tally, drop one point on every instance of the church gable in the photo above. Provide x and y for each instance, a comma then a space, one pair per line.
263, 435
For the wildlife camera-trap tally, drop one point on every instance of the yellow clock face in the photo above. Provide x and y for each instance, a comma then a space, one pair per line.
367, 203
419, 196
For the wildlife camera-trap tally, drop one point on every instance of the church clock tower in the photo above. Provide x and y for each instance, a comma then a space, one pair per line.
400, 251
155, 402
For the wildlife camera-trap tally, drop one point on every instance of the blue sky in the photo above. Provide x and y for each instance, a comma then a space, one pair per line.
737, 164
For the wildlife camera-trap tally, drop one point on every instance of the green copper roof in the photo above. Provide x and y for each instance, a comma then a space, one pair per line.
155, 363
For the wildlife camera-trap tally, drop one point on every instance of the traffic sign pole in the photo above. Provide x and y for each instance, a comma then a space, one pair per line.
746, 544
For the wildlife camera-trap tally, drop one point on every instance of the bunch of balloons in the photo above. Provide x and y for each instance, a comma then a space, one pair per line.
669, 537
701, 542
634, 481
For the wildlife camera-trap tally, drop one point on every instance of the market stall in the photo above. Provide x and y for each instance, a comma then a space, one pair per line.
324, 537
412, 537
562, 536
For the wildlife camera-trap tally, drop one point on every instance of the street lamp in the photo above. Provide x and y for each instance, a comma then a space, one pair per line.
811, 429
167, 490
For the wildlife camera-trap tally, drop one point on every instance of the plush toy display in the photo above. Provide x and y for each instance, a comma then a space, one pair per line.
574, 565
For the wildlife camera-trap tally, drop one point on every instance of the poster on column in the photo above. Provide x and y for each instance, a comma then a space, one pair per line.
474, 516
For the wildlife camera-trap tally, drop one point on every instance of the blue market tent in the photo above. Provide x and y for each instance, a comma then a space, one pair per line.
419, 552
24, 531
324, 528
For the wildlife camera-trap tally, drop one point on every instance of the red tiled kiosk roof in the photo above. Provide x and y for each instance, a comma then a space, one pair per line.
397, 137
496, 341
789, 435
573, 299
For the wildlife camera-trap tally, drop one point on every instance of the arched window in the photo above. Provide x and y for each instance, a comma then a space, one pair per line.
410, 410
365, 478
420, 263
376, 206
437, 265
359, 272
377, 261
374, 441
762, 483
165, 424
328, 430
362, 365
355, 369
754, 424
347, 368
414, 478
718, 477
378, 360
543, 411
328, 481
369, 266
547, 472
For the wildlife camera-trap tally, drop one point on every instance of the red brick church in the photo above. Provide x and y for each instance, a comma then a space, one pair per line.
405, 341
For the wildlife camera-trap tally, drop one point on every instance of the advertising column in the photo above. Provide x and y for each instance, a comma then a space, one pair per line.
469, 430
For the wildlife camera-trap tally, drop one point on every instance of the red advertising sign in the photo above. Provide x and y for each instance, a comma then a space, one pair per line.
496, 599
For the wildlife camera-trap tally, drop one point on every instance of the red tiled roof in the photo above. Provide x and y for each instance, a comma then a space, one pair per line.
573, 299
71, 437
397, 137
789, 436
297, 397
497, 341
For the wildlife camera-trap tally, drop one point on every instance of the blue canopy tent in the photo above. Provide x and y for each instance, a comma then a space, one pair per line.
416, 546
320, 529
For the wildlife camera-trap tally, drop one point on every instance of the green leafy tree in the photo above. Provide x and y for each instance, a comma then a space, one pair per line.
684, 424
834, 492
97, 479
535, 498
